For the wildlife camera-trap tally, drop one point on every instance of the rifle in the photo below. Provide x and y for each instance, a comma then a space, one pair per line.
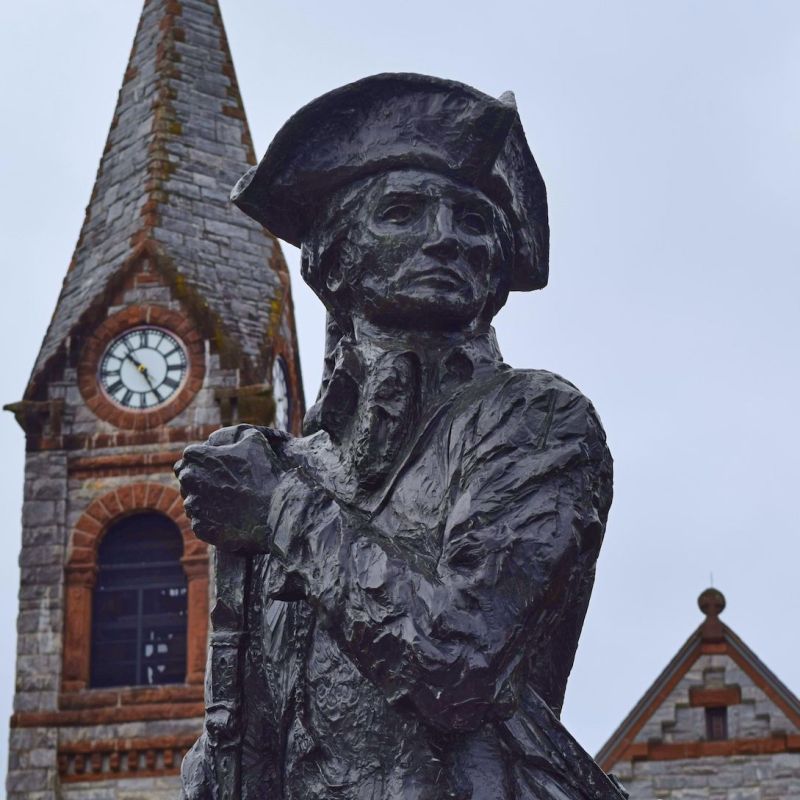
224, 723
223, 688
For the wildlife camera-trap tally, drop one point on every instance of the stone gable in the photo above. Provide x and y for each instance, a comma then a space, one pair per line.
677, 719
715, 725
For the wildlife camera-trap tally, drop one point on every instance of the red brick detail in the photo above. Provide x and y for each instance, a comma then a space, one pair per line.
196, 567
233, 111
714, 698
122, 758
78, 625
713, 648
729, 747
114, 325
122, 438
81, 571
148, 712
133, 696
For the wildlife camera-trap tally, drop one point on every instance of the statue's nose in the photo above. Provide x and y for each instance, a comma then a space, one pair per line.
442, 242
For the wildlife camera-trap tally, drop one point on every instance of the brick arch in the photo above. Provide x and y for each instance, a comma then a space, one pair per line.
103, 511
81, 575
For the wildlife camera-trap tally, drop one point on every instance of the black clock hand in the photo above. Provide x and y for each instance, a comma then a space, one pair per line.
129, 354
149, 382
141, 367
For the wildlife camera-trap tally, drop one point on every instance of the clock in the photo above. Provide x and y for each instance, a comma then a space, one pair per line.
280, 394
143, 367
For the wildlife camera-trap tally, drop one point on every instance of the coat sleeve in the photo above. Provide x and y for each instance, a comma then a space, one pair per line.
528, 479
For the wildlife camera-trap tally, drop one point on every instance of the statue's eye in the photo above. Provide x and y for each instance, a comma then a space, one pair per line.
472, 222
398, 213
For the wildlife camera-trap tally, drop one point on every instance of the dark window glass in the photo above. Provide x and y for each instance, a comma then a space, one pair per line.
716, 724
139, 609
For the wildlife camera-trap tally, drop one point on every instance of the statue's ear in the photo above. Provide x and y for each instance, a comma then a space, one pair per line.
326, 273
334, 273
321, 267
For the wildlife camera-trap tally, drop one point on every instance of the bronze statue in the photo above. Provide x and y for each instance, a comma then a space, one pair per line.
400, 592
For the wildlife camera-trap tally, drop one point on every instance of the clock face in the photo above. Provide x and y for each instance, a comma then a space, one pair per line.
280, 393
143, 368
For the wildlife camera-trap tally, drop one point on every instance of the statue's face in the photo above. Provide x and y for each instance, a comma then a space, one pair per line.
423, 251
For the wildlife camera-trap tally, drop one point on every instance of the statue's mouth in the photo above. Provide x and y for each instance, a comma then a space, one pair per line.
442, 276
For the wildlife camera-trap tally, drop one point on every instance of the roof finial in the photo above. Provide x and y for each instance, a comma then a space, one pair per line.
712, 604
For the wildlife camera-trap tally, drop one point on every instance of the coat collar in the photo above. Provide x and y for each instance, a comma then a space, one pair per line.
442, 367
380, 398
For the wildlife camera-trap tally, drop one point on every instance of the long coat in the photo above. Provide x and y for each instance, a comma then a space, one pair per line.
413, 628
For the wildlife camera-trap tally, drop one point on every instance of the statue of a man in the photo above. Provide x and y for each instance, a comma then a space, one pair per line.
420, 562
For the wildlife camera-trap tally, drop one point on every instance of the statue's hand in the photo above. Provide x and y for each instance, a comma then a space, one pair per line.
227, 484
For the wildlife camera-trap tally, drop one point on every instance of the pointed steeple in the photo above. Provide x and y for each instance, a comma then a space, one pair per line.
178, 141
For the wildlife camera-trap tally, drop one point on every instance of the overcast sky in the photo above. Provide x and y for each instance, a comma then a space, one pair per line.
669, 137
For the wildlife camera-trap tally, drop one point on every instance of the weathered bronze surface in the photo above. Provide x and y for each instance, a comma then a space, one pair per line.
400, 592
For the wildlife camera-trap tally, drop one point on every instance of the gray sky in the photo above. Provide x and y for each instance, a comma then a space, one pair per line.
669, 137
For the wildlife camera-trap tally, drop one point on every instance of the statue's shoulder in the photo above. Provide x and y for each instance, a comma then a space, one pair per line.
542, 380
537, 385
527, 402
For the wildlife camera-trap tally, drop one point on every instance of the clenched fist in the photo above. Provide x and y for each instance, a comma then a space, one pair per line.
226, 485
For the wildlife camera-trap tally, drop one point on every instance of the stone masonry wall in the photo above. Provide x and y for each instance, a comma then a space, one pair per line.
775, 777
32, 768
32, 759
163, 788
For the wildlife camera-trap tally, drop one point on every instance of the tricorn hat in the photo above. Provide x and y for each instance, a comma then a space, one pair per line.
400, 121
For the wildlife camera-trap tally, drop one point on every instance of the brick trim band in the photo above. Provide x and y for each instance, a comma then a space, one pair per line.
652, 751
122, 758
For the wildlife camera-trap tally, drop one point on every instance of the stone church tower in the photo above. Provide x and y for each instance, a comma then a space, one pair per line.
715, 725
175, 317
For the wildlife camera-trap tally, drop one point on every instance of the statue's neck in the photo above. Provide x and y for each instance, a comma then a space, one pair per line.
426, 343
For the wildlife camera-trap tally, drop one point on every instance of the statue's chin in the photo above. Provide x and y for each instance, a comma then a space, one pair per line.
426, 311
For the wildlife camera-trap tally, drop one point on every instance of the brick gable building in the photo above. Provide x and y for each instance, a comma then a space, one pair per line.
175, 317
715, 725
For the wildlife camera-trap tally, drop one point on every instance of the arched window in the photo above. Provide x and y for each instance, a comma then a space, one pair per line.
139, 608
